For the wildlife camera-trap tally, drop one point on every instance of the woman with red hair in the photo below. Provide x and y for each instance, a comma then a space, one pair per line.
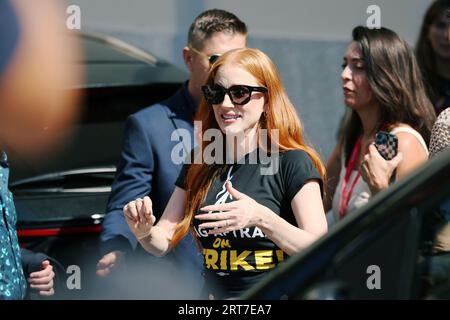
248, 215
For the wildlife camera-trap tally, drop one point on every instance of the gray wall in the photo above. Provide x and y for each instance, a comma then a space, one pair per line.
305, 38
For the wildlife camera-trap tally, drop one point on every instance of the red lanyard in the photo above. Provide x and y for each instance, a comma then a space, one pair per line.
346, 194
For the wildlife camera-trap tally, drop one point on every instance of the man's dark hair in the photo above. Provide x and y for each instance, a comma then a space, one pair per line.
212, 21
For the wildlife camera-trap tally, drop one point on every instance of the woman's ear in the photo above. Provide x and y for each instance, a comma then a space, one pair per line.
265, 108
187, 57
266, 103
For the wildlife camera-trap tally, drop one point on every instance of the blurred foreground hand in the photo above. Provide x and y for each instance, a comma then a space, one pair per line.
108, 262
36, 109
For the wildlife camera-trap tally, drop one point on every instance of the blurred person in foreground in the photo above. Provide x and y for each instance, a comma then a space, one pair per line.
34, 108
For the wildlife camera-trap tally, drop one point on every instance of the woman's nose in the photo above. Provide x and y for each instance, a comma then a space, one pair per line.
346, 74
227, 103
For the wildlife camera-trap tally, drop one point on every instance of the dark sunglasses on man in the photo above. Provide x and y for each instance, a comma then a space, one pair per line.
239, 94
212, 58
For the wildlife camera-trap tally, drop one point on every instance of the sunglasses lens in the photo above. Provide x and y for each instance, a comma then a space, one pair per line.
240, 94
213, 94
213, 58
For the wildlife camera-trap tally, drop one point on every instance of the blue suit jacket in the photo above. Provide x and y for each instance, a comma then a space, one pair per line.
9, 33
146, 168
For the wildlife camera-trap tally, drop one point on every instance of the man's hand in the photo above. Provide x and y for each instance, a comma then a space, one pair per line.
42, 281
109, 261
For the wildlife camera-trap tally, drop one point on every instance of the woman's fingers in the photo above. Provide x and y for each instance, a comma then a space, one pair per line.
221, 230
139, 216
219, 207
140, 210
219, 226
147, 210
396, 160
213, 216
130, 211
139, 205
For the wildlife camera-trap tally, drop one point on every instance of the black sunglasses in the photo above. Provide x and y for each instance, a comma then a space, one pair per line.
212, 58
239, 94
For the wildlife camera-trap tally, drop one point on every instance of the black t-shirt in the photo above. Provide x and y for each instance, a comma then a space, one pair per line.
236, 260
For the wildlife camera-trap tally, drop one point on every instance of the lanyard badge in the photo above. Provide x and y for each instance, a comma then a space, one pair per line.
347, 188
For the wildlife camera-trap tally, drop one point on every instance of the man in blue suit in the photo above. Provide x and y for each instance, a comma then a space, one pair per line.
146, 166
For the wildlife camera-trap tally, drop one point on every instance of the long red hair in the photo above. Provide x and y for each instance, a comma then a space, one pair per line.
280, 115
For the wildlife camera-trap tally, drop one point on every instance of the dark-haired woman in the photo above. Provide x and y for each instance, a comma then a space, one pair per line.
383, 89
433, 53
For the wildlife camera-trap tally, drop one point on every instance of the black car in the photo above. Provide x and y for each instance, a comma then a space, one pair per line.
61, 200
380, 251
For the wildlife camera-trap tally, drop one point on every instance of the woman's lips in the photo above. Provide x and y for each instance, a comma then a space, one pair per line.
348, 91
230, 118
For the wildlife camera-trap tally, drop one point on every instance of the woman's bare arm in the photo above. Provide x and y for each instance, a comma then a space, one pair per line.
155, 238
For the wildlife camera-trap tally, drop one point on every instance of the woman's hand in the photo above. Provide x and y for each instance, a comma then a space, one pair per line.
376, 171
139, 216
239, 214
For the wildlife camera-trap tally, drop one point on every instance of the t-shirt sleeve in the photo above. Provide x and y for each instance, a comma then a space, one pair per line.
191, 158
297, 169
181, 180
